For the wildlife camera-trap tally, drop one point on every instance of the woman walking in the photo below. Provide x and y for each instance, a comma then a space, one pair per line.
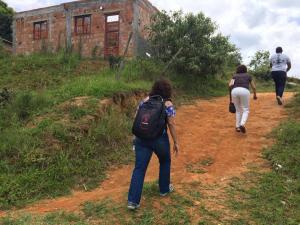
159, 145
241, 96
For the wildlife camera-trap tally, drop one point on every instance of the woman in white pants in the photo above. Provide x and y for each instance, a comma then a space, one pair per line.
239, 84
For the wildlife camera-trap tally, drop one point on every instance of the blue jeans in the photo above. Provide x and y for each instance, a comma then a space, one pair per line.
143, 153
279, 78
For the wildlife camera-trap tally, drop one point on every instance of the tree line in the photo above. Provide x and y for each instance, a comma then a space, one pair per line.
6, 18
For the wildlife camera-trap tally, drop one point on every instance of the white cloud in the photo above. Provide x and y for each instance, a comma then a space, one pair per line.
252, 24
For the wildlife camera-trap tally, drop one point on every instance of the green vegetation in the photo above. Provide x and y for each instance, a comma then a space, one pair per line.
260, 66
294, 107
50, 141
48, 159
199, 167
50, 219
204, 51
6, 16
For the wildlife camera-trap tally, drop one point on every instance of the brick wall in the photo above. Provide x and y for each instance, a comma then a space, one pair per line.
96, 40
57, 17
134, 15
24, 42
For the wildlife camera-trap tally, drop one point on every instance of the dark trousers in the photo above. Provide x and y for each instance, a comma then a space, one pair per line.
143, 152
279, 78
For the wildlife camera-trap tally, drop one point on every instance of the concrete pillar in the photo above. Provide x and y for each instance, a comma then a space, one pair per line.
14, 24
68, 13
135, 27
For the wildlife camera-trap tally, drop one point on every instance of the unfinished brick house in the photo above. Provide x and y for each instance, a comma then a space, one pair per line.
93, 27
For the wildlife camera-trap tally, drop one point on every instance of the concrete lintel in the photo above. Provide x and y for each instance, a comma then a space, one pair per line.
14, 37
62, 7
113, 11
41, 11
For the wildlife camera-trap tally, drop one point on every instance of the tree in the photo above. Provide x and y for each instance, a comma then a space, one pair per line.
204, 50
6, 18
260, 65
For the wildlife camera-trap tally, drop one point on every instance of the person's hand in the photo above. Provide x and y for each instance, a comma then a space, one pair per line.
255, 97
176, 149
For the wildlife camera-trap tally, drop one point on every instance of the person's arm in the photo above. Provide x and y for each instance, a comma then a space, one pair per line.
172, 127
231, 83
271, 64
253, 86
289, 64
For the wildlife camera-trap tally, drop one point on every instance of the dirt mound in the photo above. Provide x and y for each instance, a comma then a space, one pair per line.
211, 151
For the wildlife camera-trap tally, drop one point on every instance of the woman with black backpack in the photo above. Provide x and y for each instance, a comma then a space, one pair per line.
155, 115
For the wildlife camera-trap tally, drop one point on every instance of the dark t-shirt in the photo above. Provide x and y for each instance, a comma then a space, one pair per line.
242, 80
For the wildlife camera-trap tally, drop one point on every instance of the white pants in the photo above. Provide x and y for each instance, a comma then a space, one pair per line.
241, 98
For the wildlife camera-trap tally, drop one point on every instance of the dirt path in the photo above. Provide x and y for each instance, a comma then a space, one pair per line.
206, 132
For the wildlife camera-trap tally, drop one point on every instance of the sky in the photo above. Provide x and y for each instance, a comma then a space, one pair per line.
252, 25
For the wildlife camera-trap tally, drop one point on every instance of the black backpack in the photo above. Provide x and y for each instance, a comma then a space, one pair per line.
151, 119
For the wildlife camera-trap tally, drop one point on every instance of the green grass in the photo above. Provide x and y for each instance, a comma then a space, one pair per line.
294, 107
50, 159
37, 71
199, 167
60, 218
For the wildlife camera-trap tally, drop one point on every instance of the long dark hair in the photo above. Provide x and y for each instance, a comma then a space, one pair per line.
163, 88
241, 69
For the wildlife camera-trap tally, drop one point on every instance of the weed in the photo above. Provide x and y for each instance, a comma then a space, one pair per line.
78, 112
60, 218
199, 166
151, 189
98, 210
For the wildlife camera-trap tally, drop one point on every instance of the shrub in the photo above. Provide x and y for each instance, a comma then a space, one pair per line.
5, 97
26, 103
114, 61
204, 50
260, 65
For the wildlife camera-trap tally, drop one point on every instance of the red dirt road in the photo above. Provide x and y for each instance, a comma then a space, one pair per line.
205, 130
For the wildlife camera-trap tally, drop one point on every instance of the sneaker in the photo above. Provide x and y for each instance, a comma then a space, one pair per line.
243, 129
132, 206
171, 189
237, 129
279, 100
